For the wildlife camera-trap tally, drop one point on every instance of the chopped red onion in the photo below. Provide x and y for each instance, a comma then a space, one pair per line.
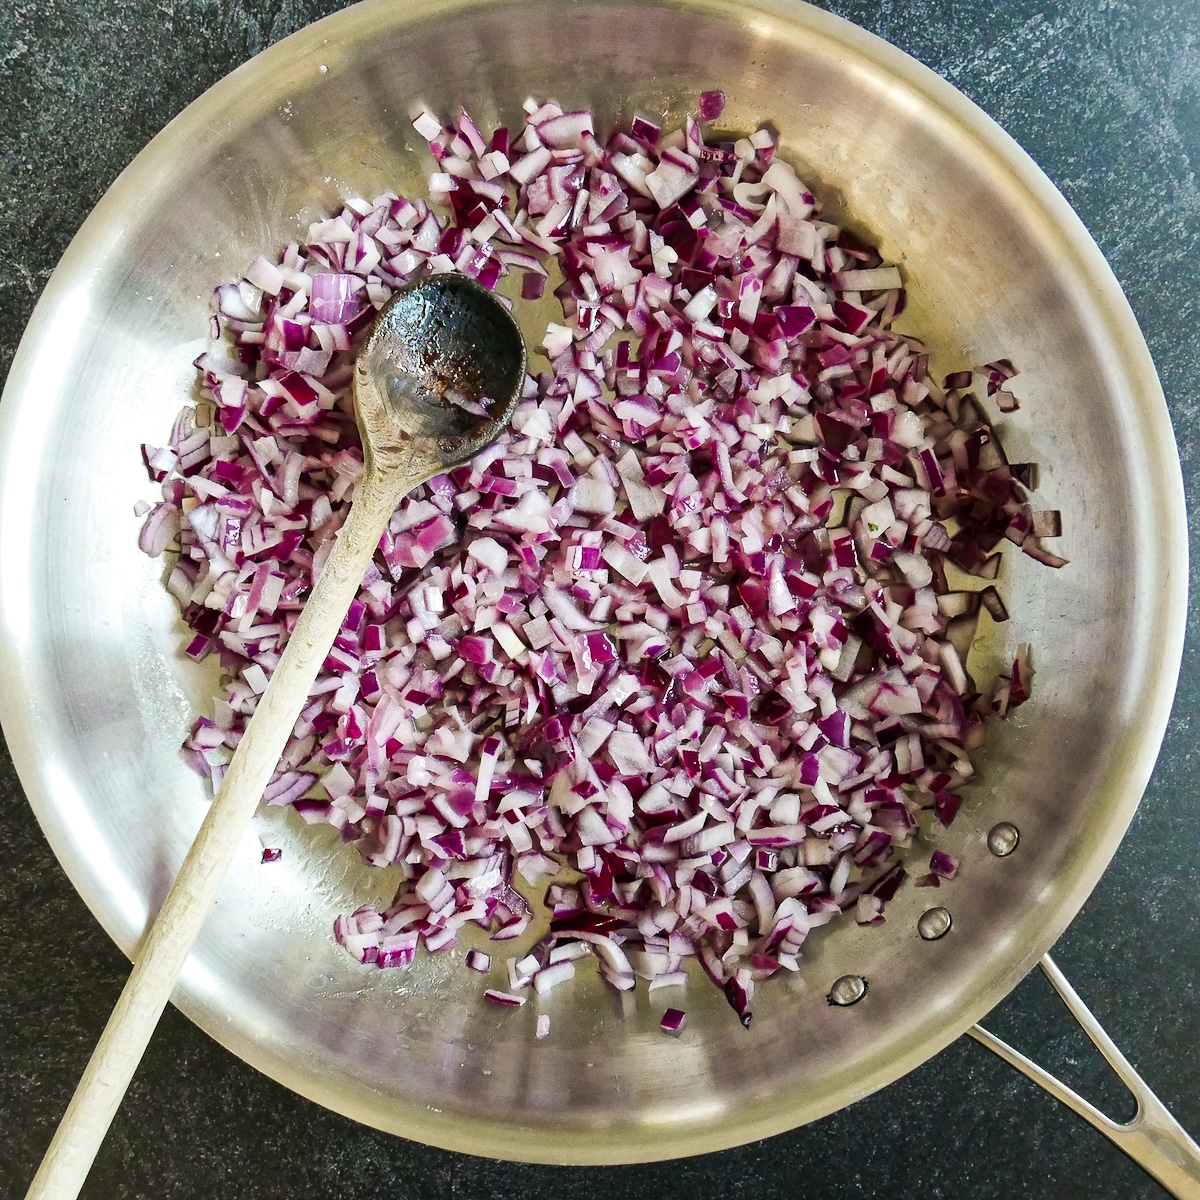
712, 105
673, 1021
684, 628
504, 999
1047, 523
551, 976
943, 864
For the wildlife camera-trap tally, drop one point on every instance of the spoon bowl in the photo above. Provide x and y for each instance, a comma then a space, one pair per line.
441, 371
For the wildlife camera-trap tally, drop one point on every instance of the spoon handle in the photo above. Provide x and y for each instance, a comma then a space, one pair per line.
161, 958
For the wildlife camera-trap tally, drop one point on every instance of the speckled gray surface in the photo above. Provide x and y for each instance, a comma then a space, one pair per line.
1105, 95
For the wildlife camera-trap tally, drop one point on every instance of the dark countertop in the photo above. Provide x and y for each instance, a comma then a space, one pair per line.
1105, 95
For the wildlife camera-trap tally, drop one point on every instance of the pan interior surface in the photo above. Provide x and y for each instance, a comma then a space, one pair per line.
99, 695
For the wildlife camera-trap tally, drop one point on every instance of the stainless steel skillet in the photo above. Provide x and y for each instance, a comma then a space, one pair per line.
997, 265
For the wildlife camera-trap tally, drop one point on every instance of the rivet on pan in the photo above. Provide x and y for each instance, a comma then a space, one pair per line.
934, 923
850, 989
1002, 839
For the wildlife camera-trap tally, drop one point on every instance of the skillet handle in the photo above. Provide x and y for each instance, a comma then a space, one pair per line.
1153, 1138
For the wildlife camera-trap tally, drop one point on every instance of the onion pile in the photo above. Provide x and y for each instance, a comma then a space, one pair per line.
679, 646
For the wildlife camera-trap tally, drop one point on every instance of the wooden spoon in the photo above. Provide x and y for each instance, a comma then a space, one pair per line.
435, 383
